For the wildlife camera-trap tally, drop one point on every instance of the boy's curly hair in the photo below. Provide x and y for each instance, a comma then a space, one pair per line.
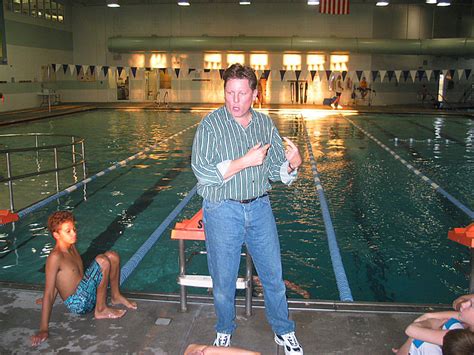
58, 218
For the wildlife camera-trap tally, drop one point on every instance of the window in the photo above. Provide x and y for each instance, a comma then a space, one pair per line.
47, 9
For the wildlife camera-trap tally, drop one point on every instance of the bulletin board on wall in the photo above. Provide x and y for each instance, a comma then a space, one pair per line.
3, 46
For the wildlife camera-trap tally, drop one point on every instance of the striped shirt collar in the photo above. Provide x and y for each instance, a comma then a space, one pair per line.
229, 116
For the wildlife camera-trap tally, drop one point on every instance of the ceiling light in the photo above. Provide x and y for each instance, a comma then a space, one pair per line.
382, 3
444, 3
313, 2
112, 3
244, 2
431, 1
183, 3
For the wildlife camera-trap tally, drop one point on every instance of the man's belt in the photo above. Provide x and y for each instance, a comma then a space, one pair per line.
249, 200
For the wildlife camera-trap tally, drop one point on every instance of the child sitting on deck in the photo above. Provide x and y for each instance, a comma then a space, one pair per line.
440, 333
81, 291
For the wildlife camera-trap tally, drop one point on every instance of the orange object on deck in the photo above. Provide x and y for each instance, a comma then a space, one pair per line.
8, 217
464, 236
190, 229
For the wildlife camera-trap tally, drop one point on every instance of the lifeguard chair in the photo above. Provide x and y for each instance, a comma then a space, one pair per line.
193, 229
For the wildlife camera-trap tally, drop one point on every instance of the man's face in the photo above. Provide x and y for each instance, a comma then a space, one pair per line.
239, 97
66, 233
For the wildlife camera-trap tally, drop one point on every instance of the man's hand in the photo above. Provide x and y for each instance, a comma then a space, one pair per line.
292, 154
458, 301
39, 337
256, 155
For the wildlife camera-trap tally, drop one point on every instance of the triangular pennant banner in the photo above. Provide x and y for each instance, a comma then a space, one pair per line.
177, 70
397, 74
451, 72
382, 74
190, 70
207, 70
359, 74
58, 66
321, 74
282, 74
297, 74
85, 68
405, 74
436, 72
413, 75
134, 71
313, 73
53, 66
78, 69
119, 70
221, 73
428, 74
468, 73
105, 69
328, 74
390, 74
367, 74
92, 69
460, 73
65, 66
266, 73
420, 74
344, 74
374, 74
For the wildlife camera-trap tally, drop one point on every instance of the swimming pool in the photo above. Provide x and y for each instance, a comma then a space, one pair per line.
390, 225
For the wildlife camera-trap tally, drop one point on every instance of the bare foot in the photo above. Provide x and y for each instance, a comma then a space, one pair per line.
126, 302
395, 350
109, 313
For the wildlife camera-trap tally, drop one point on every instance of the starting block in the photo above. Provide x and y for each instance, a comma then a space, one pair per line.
464, 236
193, 229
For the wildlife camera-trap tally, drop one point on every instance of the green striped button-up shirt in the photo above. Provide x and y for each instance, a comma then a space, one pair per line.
220, 139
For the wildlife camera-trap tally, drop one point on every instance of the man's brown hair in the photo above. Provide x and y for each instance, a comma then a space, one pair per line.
239, 71
58, 218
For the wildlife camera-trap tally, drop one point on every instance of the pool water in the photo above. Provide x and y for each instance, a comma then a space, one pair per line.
390, 225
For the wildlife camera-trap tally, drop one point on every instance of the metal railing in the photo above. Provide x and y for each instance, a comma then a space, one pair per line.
78, 158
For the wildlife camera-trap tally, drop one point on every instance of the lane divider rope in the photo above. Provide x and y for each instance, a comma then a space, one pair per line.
22, 213
133, 262
417, 172
345, 293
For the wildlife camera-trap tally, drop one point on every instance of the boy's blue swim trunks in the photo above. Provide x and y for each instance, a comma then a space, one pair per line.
84, 299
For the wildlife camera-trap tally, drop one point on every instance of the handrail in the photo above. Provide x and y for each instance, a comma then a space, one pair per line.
37, 148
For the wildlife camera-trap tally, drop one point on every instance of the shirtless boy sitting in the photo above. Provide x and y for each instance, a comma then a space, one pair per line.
81, 292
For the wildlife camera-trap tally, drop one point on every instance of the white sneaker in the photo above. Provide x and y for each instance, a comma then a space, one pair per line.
289, 341
222, 340
339, 107
333, 106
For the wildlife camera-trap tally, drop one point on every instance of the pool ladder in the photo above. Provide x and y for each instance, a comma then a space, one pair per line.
78, 158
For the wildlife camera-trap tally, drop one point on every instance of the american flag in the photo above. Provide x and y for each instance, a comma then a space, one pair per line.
334, 7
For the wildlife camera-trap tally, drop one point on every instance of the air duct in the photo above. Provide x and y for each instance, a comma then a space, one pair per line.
463, 47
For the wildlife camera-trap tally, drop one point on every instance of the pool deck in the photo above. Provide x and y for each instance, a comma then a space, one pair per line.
157, 327
22, 116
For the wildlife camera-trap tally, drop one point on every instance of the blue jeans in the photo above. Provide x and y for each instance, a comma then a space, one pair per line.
228, 225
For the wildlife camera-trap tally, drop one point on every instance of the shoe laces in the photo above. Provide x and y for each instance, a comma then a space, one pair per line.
291, 339
222, 339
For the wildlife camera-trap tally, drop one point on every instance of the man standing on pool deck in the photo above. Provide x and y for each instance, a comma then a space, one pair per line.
236, 152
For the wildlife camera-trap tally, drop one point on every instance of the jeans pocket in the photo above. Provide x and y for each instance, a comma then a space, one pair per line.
212, 206
265, 200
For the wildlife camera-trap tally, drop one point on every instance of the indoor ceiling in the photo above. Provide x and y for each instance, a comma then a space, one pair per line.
266, 2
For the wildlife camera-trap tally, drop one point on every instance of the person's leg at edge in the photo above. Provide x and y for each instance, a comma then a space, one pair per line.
223, 223
262, 241
116, 296
101, 309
